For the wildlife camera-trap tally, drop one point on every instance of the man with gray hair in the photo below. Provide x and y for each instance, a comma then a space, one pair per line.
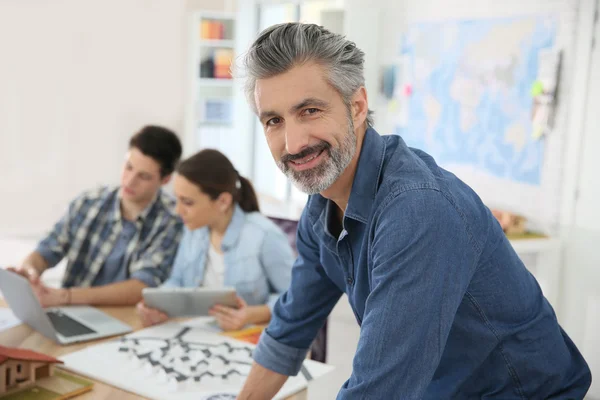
446, 307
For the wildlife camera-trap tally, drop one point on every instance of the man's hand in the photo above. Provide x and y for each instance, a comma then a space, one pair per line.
231, 319
51, 297
150, 316
48, 297
27, 271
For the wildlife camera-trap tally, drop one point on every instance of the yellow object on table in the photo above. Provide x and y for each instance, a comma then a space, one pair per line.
250, 335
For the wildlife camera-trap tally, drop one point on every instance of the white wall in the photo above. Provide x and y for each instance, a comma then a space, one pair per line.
541, 204
587, 211
77, 78
362, 25
580, 313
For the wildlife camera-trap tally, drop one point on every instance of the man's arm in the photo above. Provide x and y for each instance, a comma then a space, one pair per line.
36, 261
115, 294
156, 262
149, 271
126, 293
423, 258
297, 316
32, 267
266, 384
55, 246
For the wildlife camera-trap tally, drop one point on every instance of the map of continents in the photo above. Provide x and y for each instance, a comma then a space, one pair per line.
470, 101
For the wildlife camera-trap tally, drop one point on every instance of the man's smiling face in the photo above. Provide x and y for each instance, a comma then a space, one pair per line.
307, 125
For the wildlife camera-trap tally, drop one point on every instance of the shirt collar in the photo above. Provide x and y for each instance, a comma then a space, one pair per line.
366, 177
116, 206
143, 215
365, 184
232, 233
157, 198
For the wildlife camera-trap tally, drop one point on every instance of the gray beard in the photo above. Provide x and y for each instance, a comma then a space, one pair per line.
321, 177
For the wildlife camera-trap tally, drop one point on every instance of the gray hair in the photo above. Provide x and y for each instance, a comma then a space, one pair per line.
280, 47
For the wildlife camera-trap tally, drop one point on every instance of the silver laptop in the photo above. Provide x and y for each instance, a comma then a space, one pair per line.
65, 325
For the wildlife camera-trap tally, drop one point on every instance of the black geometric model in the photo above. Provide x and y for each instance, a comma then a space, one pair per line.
175, 349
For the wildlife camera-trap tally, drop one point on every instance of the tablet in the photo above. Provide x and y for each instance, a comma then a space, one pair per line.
188, 302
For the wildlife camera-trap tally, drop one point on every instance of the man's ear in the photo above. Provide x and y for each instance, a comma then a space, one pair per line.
360, 106
166, 179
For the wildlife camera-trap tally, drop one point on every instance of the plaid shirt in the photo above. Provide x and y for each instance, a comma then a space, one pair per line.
87, 233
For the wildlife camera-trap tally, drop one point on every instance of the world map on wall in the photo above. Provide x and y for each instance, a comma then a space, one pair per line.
468, 93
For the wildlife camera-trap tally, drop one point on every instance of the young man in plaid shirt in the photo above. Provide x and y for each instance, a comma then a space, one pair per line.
117, 241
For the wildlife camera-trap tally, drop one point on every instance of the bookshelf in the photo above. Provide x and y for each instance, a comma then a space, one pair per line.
210, 105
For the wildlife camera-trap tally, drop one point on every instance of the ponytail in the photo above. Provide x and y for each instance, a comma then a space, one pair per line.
246, 196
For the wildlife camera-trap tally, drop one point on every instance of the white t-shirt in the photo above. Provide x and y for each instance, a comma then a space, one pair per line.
214, 273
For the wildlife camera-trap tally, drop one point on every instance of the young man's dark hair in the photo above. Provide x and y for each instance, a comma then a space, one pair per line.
161, 144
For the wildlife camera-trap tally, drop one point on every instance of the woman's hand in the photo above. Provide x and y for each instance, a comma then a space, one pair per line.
150, 316
231, 319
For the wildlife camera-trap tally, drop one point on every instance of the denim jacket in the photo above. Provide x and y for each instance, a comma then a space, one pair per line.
447, 309
257, 256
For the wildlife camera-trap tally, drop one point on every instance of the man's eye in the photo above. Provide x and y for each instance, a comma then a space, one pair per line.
273, 121
311, 111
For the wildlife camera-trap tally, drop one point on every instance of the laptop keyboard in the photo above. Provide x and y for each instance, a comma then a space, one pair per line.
66, 325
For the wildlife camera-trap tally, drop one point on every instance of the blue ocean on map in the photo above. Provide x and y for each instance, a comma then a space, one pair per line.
471, 101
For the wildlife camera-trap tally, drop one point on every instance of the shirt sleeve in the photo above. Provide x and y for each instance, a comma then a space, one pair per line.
277, 258
420, 272
300, 311
155, 264
54, 247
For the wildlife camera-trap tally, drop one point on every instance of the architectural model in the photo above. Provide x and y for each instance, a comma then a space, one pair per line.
178, 362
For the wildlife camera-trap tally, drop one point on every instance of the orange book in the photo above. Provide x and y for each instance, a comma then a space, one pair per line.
214, 30
223, 63
205, 29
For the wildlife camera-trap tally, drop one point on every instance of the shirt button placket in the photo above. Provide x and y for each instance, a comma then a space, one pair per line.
345, 256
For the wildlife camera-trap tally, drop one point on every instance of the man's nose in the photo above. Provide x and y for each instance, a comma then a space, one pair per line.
296, 138
130, 180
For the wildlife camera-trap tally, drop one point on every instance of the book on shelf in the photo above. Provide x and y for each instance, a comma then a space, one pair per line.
222, 63
212, 30
217, 64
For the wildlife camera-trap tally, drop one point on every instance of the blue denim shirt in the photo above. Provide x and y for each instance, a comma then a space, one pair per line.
257, 255
446, 307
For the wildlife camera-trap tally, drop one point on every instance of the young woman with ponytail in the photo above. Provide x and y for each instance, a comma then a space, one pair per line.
226, 242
